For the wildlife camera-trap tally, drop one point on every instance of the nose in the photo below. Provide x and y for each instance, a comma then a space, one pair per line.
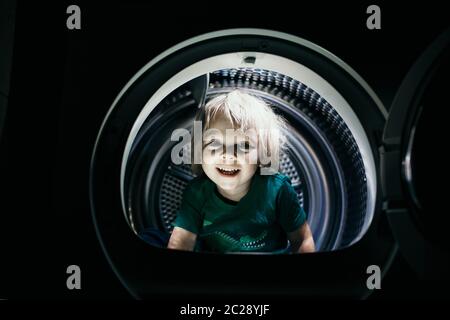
229, 155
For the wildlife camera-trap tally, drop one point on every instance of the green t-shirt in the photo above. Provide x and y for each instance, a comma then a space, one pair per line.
257, 223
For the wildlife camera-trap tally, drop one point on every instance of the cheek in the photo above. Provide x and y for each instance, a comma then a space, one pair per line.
253, 156
207, 167
209, 157
248, 158
248, 168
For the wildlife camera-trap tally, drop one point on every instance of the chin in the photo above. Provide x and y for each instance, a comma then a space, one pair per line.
227, 185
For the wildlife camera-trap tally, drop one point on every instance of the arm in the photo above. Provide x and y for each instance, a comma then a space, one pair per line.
182, 239
301, 239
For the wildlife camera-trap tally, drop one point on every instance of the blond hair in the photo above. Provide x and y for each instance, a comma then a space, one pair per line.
246, 112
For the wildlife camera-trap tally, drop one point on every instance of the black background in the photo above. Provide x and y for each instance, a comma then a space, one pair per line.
64, 81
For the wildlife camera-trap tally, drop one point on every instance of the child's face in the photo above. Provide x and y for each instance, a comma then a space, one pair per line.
229, 156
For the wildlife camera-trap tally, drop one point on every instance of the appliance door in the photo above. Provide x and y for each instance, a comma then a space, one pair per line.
414, 165
336, 126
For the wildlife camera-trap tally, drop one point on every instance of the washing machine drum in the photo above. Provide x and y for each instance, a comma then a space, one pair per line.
335, 125
323, 160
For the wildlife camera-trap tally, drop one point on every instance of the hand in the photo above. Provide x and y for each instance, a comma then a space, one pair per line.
302, 240
182, 239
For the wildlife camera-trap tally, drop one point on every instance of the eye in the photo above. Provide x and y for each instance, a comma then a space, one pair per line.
213, 144
245, 146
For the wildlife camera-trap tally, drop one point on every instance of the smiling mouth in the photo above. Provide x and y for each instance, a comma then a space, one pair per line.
228, 172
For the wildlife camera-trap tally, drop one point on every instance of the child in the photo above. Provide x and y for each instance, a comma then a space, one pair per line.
234, 205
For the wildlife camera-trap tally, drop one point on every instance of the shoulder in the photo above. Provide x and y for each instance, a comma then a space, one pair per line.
281, 178
276, 180
280, 185
273, 186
